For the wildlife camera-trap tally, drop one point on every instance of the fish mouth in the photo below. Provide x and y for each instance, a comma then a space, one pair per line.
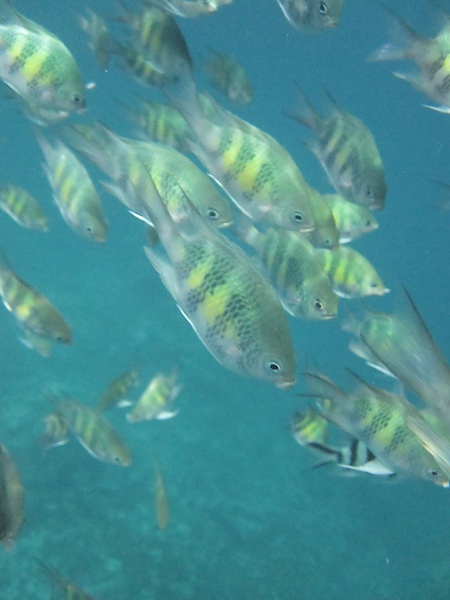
286, 384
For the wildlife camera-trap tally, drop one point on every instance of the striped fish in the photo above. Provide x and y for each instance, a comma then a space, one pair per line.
347, 151
116, 392
73, 191
351, 220
37, 65
33, 311
351, 274
157, 398
312, 15
229, 77
22, 208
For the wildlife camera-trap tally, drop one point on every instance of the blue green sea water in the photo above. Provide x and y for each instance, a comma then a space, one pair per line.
249, 518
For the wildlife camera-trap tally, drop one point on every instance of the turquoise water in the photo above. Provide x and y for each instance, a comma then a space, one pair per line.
248, 517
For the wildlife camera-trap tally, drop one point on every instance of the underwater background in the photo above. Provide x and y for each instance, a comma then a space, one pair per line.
249, 518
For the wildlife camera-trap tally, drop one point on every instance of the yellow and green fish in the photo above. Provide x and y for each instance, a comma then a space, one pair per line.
228, 76
116, 392
157, 399
351, 220
22, 207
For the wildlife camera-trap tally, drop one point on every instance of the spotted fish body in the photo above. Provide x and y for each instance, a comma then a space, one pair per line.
93, 432
231, 306
257, 173
351, 220
351, 274
347, 151
294, 270
73, 191
22, 207
32, 310
312, 15
379, 420
37, 65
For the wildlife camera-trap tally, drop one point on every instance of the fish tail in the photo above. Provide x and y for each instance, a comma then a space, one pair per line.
325, 389
304, 113
184, 97
405, 42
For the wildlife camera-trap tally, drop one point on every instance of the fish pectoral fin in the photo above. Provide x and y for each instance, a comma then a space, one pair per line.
166, 414
441, 109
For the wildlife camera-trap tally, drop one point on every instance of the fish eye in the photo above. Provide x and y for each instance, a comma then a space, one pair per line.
369, 192
298, 217
368, 223
212, 214
78, 100
274, 366
433, 472
318, 304
323, 8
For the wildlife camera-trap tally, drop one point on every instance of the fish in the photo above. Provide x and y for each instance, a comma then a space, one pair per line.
56, 431
309, 16
347, 151
161, 499
351, 274
33, 311
431, 55
229, 77
22, 208
157, 398
11, 499
73, 191
93, 432
404, 344
100, 40
294, 270
37, 65
351, 220
257, 173
310, 429
190, 9
115, 393
173, 173
69, 589
231, 306
379, 419
137, 64
325, 233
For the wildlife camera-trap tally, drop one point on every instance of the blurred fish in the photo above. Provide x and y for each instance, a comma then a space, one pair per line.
228, 76
161, 500
294, 270
432, 56
22, 207
11, 499
39, 343
312, 15
379, 419
99, 37
310, 429
33, 311
231, 306
156, 400
351, 220
56, 431
347, 151
434, 435
116, 392
70, 590
351, 274
140, 67
73, 191
190, 9
37, 65
257, 173
325, 233
403, 343
93, 432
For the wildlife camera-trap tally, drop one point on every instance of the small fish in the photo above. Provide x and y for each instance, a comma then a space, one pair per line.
379, 419
99, 37
154, 403
294, 270
56, 431
161, 500
140, 67
310, 16
190, 9
351, 220
11, 499
22, 207
347, 151
73, 191
33, 311
37, 65
310, 429
431, 55
69, 589
229, 303
351, 274
229, 77
325, 233
93, 432
116, 392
